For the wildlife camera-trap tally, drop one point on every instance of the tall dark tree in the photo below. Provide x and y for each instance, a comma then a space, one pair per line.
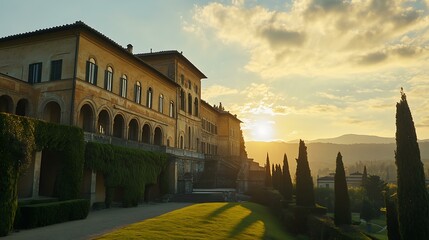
268, 180
392, 217
273, 177
413, 199
364, 176
342, 211
374, 188
287, 180
304, 181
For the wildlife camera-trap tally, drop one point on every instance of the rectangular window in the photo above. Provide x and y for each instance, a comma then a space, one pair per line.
91, 72
56, 69
35, 73
123, 87
108, 79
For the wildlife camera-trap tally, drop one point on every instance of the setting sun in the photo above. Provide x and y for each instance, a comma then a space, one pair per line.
263, 131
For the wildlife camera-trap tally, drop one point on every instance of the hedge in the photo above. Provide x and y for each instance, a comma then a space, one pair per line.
43, 214
131, 169
23, 136
323, 227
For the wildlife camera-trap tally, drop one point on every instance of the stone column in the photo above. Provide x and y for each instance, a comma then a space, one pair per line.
93, 193
173, 175
36, 175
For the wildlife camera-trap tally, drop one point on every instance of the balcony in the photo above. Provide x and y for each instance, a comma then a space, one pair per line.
99, 138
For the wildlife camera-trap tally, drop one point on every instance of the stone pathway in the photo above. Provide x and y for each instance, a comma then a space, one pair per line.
97, 222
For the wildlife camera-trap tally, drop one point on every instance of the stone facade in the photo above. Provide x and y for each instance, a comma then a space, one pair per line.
74, 75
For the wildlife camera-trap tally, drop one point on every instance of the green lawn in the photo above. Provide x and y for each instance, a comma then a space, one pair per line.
377, 226
207, 221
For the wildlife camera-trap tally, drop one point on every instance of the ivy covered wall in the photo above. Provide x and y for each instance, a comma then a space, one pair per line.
20, 137
131, 169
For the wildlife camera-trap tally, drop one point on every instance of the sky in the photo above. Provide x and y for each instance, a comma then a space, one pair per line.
302, 69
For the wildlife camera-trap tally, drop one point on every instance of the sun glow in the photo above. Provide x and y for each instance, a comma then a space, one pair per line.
263, 131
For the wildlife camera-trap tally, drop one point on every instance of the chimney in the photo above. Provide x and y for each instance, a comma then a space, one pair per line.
130, 48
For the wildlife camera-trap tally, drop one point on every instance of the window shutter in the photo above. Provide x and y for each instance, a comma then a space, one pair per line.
87, 71
135, 94
95, 74
120, 86
105, 78
39, 73
30, 73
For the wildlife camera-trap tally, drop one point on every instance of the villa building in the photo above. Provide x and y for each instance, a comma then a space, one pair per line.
75, 75
353, 180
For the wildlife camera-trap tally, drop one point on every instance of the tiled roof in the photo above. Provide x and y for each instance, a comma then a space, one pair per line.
220, 111
79, 25
174, 53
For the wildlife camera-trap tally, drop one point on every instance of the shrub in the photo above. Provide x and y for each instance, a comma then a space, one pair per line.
325, 197
323, 227
43, 214
269, 198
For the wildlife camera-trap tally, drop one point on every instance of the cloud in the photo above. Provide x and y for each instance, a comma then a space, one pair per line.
321, 37
216, 91
259, 100
280, 37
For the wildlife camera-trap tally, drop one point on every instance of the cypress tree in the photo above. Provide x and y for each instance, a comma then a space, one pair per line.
364, 176
342, 211
304, 181
287, 180
392, 218
268, 181
273, 177
279, 178
413, 199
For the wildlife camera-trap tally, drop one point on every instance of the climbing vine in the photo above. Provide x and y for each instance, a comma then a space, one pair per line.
130, 169
20, 137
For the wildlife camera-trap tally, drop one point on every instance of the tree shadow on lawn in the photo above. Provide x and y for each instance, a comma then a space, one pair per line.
222, 209
246, 222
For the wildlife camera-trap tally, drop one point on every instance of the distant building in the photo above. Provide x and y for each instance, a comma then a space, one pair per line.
353, 180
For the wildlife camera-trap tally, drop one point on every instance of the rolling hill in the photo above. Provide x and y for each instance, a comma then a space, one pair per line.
322, 153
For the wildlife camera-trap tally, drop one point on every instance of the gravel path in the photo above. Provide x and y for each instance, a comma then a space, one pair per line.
97, 222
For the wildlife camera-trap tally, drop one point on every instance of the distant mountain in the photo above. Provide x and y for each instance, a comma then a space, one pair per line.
354, 139
322, 155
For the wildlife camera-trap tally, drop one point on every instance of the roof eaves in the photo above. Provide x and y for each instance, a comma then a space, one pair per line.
174, 53
79, 25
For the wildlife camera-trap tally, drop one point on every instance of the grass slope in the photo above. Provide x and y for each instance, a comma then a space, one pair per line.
207, 221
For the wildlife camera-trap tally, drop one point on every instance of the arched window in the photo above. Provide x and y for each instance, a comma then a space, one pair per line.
161, 103
91, 71
171, 111
86, 118
137, 92
52, 112
182, 99
182, 79
103, 122
196, 107
123, 86
189, 103
108, 78
149, 98
157, 137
